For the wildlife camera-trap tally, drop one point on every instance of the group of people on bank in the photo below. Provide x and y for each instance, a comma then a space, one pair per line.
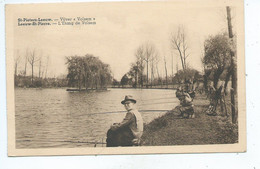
130, 130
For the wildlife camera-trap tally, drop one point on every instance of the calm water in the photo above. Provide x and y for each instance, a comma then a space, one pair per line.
48, 118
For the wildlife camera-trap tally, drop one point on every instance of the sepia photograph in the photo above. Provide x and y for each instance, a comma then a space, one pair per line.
125, 78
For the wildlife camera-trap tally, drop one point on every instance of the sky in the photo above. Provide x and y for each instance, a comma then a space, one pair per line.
120, 29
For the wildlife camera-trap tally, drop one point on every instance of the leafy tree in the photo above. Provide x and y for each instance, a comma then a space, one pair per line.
115, 82
189, 74
88, 71
124, 80
217, 55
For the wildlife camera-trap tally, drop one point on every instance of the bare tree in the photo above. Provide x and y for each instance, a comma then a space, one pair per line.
165, 67
25, 62
148, 51
32, 59
158, 75
179, 43
40, 66
153, 61
16, 60
157, 60
140, 61
152, 73
177, 70
172, 68
46, 66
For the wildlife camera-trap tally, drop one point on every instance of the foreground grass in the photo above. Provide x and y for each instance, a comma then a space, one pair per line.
203, 129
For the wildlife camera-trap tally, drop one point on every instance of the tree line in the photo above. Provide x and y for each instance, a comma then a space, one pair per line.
31, 70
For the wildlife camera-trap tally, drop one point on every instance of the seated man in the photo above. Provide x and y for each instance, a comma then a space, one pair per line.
186, 106
130, 130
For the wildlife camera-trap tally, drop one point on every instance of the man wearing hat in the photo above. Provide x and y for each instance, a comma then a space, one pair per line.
130, 130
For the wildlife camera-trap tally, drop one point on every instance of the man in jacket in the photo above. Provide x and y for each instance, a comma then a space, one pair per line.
130, 130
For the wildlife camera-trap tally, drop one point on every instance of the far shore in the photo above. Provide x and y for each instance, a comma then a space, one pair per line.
155, 87
104, 89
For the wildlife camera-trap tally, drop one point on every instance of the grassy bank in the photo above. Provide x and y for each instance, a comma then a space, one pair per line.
203, 129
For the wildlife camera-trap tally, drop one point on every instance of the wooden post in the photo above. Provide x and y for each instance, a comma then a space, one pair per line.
234, 71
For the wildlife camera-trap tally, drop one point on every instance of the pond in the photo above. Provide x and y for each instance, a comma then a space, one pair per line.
55, 118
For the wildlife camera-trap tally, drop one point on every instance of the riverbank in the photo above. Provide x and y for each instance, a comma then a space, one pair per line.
203, 129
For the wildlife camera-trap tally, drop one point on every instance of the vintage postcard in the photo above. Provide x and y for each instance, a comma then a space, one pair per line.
125, 77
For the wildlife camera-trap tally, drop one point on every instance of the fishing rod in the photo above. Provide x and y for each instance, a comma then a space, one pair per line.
126, 111
80, 142
159, 98
155, 103
88, 142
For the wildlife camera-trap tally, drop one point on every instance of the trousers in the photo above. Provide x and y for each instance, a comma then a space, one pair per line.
120, 137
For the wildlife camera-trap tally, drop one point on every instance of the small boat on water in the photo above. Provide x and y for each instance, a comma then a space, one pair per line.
85, 90
76, 90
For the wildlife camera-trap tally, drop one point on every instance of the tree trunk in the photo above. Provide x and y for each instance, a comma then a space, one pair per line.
172, 69
147, 81
40, 64
182, 62
96, 84
165, 66
159, 79
15, 69
234, 71
32, 74
79, 85
136, 78
136, 74
25, 66
142, 83
86, 81
229, 73
46, 67
152, 74
217, 75
141, 73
